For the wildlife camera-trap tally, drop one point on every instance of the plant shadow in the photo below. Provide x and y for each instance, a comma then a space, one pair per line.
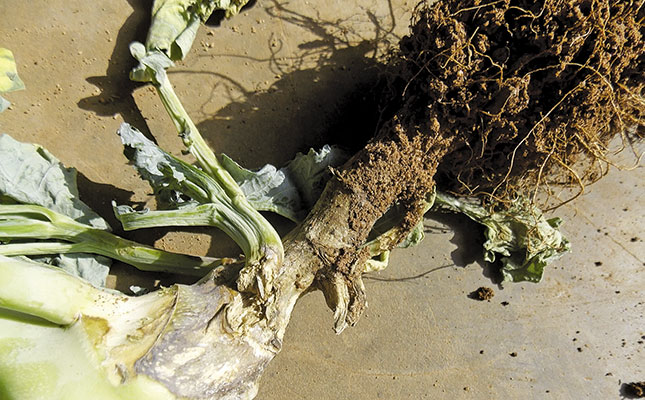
116, 88
99, 197
634, 390
468, 237
327, 93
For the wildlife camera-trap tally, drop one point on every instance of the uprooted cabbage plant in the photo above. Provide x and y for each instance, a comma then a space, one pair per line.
488, 97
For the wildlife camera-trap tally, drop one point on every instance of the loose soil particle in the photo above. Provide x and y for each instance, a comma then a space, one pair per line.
636, 389
483, 293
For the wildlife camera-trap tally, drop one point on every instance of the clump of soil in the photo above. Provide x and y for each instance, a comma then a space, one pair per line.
522, 88
635, 389
483, 293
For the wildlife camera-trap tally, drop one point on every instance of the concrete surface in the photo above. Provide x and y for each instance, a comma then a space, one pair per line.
273, 81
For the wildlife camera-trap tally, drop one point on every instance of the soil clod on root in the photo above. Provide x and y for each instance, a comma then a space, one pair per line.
525, 88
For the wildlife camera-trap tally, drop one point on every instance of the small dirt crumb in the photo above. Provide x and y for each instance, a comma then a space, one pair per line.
482, 293
598, 263
636, 389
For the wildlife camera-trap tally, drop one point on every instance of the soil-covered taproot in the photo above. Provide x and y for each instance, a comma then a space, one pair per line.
488, 98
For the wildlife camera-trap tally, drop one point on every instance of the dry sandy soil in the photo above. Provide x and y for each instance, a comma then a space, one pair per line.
275, 80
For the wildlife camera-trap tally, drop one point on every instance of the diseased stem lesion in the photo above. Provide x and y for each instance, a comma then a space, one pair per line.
328, 250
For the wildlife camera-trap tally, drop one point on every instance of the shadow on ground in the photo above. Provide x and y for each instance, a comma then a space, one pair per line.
116, 87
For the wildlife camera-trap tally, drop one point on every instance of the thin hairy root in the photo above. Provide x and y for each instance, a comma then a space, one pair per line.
526, 89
